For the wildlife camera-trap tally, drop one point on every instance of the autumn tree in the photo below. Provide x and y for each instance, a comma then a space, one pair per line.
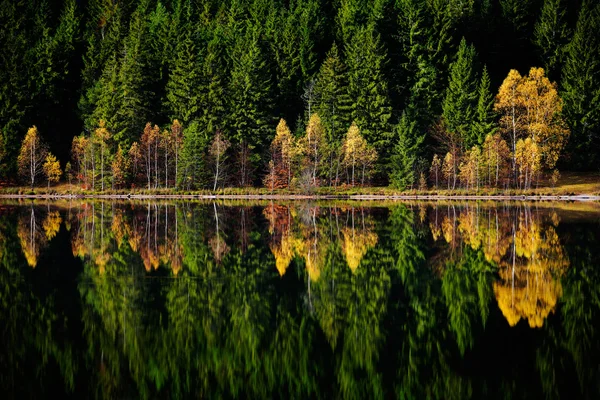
357, 153
450, 169
217, 151
176, 143
101, 137
528, 160
282, 147
119, 167
149, 150
52, 169
32, 156
436, 166
496, 156
314, 147
79, 155
530, 107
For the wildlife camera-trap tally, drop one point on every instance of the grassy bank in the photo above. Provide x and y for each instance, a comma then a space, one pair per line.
570, 184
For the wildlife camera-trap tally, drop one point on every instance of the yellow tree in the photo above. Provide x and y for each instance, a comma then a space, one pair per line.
530, 107
119, 167
449, 169
282, 154
543, 120
32, 156
353, 146
177, 143
314, 146
528, 162
436, 166
495, 159
509, 105
469, 168
52, 169
101, 136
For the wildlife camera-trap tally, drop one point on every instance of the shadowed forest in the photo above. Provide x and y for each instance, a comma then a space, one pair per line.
186, 95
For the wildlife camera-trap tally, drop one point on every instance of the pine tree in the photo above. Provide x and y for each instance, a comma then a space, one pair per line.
581, 88
333, 102
485, 117
551, 35
213, 75
185, 87
459, 106
193, 172
406, 153
133, 92
250, 93
368, 90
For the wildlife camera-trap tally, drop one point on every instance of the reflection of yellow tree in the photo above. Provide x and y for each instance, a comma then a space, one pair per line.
51, 224
31, 237
527, 250
355, 245
530, 286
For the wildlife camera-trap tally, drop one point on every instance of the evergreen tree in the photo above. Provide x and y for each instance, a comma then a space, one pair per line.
406, 153
193, 157
459, 106
581, 88
185, 87
485, 117
333, 102
133, 93
213, 75
250, 92
368, 90
551, 35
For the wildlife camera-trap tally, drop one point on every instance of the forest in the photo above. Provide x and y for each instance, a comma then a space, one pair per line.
189, 95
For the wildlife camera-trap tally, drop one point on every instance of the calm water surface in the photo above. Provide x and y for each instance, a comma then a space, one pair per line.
299, 300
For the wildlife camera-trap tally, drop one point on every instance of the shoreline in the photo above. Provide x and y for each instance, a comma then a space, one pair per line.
362, 197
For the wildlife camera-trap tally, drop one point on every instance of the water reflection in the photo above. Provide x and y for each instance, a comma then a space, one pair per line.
299, 299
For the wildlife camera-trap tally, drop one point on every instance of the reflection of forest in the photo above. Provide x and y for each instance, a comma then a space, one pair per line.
304, 300
523, 243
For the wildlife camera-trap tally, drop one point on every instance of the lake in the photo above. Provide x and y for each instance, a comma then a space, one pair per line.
446, 300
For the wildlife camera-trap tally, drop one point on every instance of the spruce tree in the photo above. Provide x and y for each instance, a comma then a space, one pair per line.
185, 88
250, 92
551, 35
406, 152
581, 88
333, 101
134, 92
485, 117
459, 106
213, 77
368, 90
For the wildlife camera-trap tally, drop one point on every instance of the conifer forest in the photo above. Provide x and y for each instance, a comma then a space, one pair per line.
207, 94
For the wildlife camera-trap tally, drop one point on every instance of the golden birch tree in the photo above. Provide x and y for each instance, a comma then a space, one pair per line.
32, 156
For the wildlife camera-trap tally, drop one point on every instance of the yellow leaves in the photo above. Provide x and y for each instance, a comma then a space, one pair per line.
32, 155
355, 245
527, 158
52, 168
531, 107
51, 224
356, 153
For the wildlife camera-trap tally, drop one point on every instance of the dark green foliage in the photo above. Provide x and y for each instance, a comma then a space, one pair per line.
581, 88
551, 36
406, 153
332, 100
459, 106
485, 118
367, 86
